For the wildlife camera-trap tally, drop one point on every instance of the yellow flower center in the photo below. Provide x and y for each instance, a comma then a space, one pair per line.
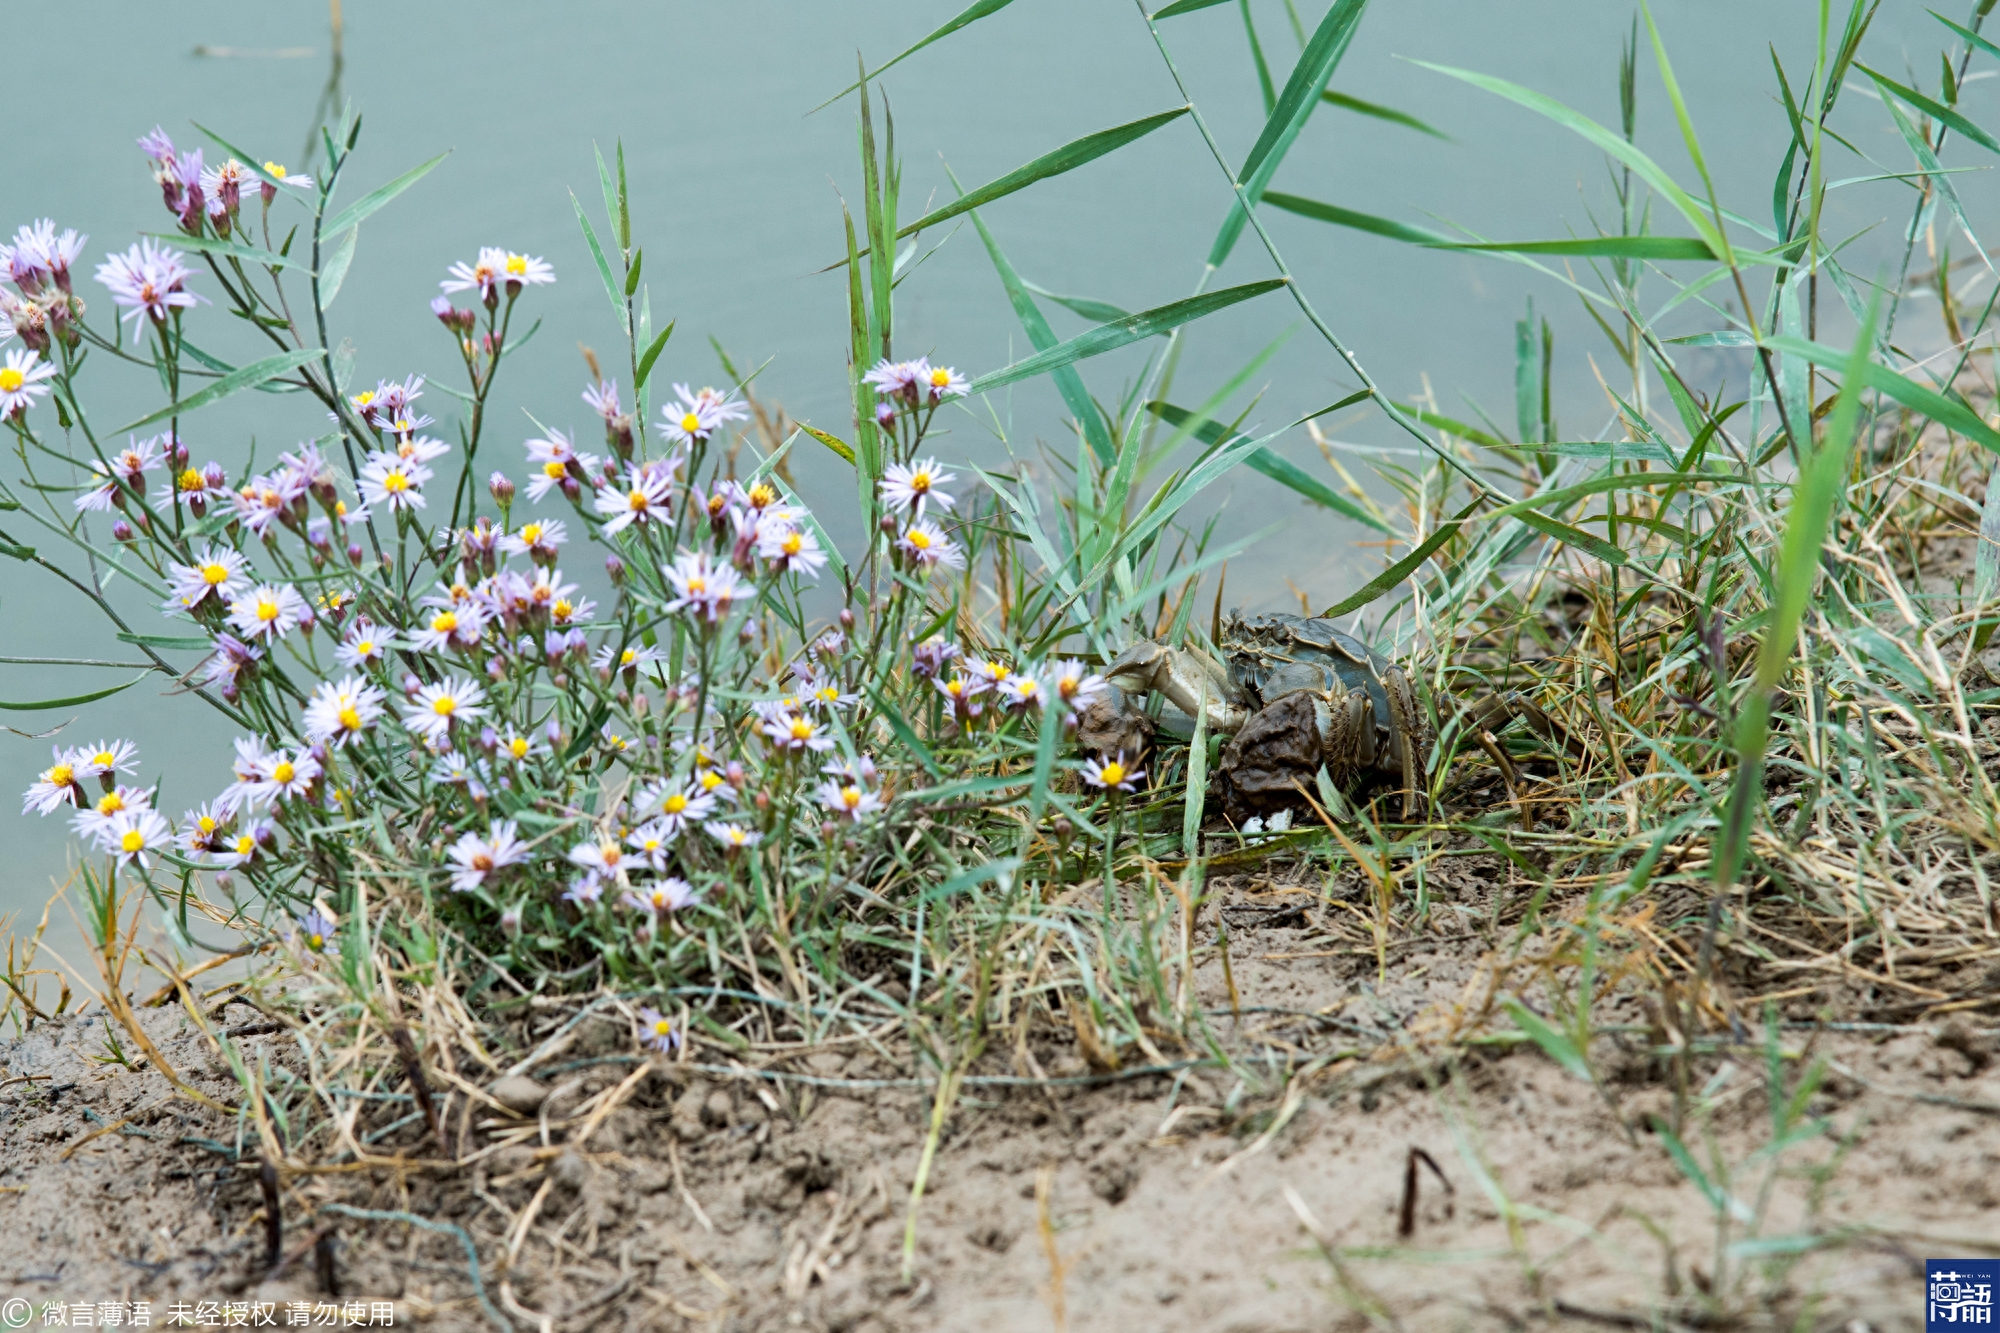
11, 379
482, 861
955, 688
919, 539
364, 647
802, 730
1113, 773
518, 747
444, 705
247, 844
190, 480
628, 657
697, 586
104, 759
850, 797
998, 670
340, 509
111, 804
532, 533
940, 377
826, 694
663, 1028
554, 470
920, 482
562, 610
60, 776
316, 942
395, 483
792, 544
611, 855
691, 422
676, 803
349, 718
517, 265
283, 772
638, 500
762, 496
711, 780
444, 622
275, 170
214, 573
206, 824
132, 841
267, 609
364, 398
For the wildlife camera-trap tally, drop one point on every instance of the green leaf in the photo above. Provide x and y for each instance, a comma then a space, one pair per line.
1967, 33
368, 204
909, 738
1556, 1045
1937, 111
75, 698
1380, 112
972, 13
1315, 66
632, 274
1623, 451
653, 351
1403, 568
333, 271
1107, 337
1280, 470
249, 377
1615, 247
208, 245
603, 268
1561, 497
1066, 158
1347, 217
833, 442
1576, 537
1098, 312
1438, 421
167, 641
1180, 7
1609, 141
1068, 383
15, 549
1947, 413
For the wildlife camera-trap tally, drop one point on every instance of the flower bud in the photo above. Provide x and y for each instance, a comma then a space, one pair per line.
888, 525
122, 531
496, 667
307, 619
179, 454
762, 801
411, 684
354, 553
502, 488
440, 305
847, 618
885, 414
616, 569
510, 920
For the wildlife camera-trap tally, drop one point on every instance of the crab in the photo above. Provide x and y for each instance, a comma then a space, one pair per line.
1296, 695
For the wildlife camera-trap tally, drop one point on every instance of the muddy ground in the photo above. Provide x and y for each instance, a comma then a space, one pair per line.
778, 1199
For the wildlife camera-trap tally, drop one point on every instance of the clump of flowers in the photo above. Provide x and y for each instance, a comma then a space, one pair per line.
412, 665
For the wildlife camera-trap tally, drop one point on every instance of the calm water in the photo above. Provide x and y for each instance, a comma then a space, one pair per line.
736, 199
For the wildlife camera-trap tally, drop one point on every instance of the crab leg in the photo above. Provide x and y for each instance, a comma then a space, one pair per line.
1191, 681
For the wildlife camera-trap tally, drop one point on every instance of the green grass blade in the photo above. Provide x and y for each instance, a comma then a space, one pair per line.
190, 641
208, 245
1403, 568
1611, 247
1309, 76
367, 205
1937, 111
1986, 561
972, 13
1347, 217
1577, 537
1609, 141
1945, 411
333, 270
1822, 479
1280, 470
1556, 1045
1180, 7
1069, 157
1068, 383
1097, 312
1438, 421
1375, 109
603, 267
1264, 86
1967, 33
833, 442
247, 378
1108, 337
1927, 160
75, 698
658, 345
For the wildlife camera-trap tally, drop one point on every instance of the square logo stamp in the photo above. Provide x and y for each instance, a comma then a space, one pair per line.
1958, 1293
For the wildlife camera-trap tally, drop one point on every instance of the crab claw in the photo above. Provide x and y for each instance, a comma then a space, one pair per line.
1189, 680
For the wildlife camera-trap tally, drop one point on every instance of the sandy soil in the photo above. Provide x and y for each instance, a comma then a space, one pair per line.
1182, 1201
